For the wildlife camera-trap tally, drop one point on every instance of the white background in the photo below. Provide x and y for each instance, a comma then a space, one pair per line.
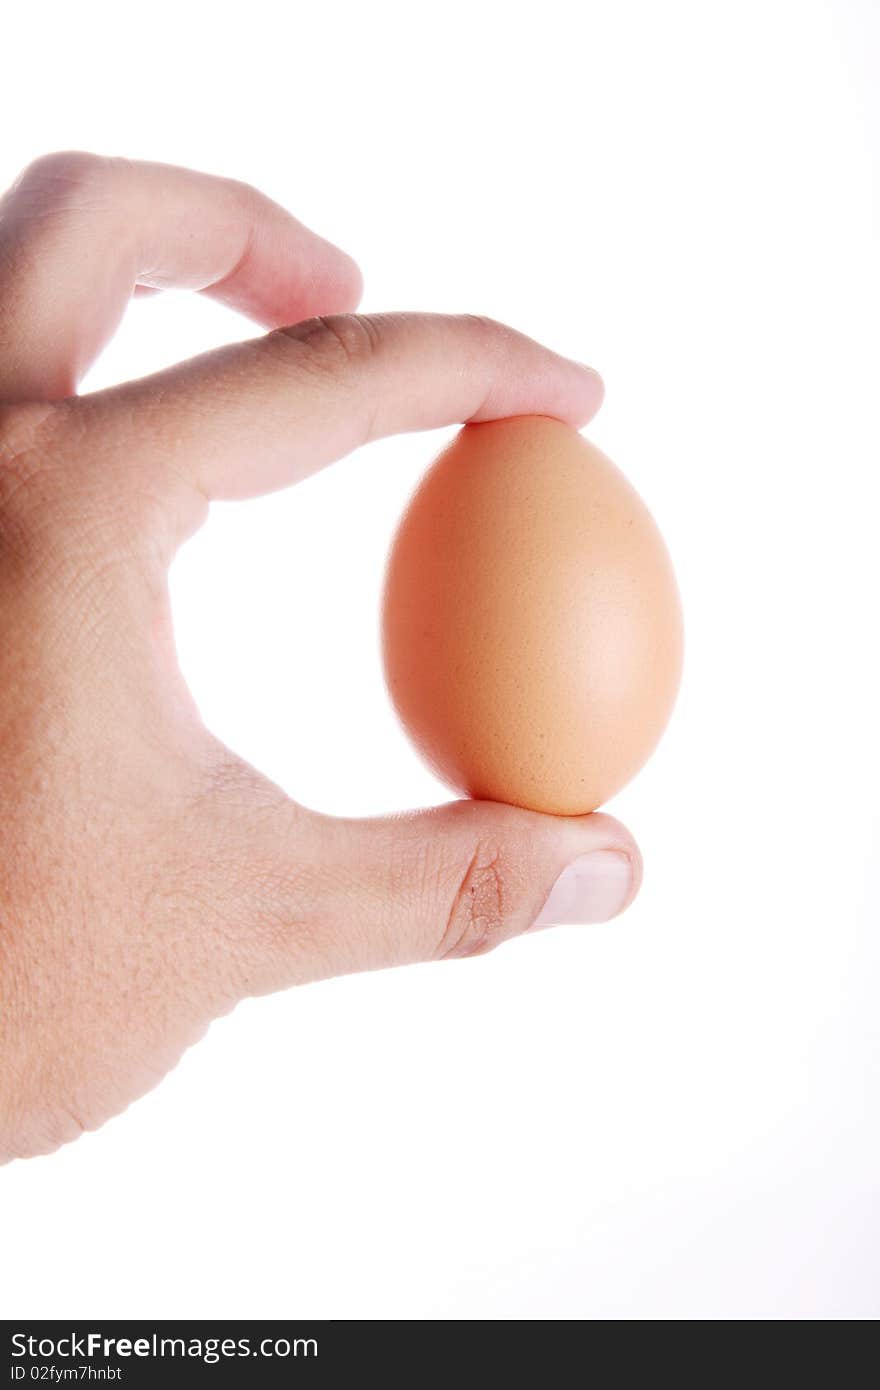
678, 1115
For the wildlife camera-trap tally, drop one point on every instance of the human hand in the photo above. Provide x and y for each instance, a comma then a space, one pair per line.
149, 877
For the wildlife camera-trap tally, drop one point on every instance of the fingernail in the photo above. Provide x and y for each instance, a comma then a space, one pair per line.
593, 888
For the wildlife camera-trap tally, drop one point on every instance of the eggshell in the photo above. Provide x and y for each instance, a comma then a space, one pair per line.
532, 632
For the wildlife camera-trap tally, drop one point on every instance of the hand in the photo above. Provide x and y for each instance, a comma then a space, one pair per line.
149, 878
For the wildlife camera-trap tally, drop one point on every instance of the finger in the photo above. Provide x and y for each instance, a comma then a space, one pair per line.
461, 879
78, 233
323, 897
262, 414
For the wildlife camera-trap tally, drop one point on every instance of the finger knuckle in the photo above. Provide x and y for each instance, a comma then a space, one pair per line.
479, 912
488, 330
65, 175
244, 195
337, 342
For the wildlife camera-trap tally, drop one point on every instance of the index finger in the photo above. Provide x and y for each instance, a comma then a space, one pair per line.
259, 415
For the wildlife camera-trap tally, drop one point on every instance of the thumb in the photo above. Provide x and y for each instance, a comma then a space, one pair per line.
449, 882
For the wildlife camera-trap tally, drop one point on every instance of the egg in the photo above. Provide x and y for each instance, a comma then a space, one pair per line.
531, 626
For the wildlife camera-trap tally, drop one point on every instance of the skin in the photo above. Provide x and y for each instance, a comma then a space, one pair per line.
150, 878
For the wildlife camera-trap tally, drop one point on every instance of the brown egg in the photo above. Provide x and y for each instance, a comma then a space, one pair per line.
532, 629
